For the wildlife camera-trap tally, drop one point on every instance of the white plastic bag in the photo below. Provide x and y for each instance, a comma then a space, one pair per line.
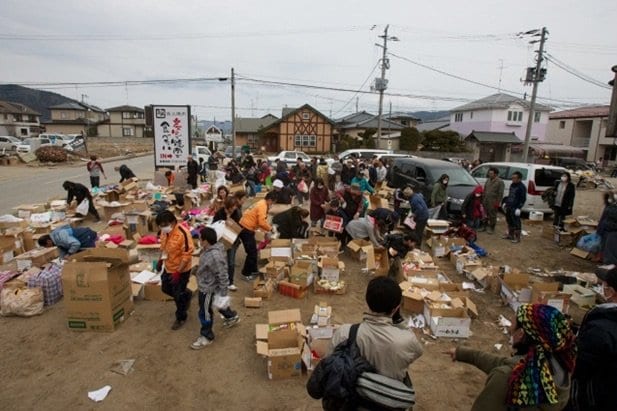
83, 207
221, 302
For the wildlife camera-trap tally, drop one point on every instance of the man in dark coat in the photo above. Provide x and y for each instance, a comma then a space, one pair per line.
125, 172
564, 199
595, 373
514, 204
80, 192
192, 169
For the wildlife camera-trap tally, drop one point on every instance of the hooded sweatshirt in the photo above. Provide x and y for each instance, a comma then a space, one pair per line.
212, 270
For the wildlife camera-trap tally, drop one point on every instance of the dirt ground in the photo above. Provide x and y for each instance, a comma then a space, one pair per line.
44, 365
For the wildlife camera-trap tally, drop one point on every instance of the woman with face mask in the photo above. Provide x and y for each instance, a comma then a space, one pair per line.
564, 199
595, 374
607, 228
319, 197
439, 194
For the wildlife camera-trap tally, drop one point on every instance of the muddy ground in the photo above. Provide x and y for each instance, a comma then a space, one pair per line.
44, 365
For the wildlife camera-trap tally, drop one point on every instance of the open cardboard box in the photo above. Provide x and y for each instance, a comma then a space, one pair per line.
302, 273
362, 251
277, 250
581, 296
281, 341
330, 268
276, 270
451, 322
263, 288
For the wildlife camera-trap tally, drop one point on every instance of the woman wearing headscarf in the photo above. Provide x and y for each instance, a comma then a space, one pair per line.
564, 199
537, 377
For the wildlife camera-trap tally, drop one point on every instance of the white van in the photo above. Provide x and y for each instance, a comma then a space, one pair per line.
536, 177
366, 153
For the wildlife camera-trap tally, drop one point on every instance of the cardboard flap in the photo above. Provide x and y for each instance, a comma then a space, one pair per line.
261, 331
115, 255
262, 348
284, 316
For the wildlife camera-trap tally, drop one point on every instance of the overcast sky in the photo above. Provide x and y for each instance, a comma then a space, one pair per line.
322, 43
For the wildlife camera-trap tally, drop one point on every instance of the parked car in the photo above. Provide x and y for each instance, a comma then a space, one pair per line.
537, 178
290, 157
9, 143
572, 163
423, 173
363, 153
201, 152
30, 145
238, 151
55, 139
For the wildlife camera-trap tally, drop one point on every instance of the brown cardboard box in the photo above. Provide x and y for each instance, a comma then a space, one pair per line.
277, 250
36, 258
252, 302
450, 322
263, 288
137, 222
97, 289
363, 251
329, 268
301, 273
281, 341
561, 301
382, 262
413, 302
230, 233
276, 270
7, 247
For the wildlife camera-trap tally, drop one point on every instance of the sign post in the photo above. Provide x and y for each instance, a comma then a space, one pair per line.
172, 135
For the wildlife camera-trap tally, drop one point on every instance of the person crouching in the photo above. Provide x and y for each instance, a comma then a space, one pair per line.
212, 280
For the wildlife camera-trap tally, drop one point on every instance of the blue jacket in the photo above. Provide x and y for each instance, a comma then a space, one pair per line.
418, 207
516, 196
71, 240
364, 184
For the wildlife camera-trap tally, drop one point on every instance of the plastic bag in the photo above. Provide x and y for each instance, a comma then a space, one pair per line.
302, 187
83, 207
410, 222
435, 212
23, 302
221, 302
590, 243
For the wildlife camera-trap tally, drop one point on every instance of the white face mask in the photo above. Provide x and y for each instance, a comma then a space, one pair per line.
445, 182
511, 341
166, 229
564, 179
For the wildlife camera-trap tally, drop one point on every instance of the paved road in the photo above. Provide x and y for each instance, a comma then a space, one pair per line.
26, 185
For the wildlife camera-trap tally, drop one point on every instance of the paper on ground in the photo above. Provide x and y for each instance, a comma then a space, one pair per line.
100, 394
143, 277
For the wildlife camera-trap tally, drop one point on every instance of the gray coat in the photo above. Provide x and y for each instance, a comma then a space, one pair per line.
211, 273
493, 192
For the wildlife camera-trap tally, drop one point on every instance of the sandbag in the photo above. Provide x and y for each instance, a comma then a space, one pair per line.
23, 302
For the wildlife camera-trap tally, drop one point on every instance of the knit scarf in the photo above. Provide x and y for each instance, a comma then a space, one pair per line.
531, 382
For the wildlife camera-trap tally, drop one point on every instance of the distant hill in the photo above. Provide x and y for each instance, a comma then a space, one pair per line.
430, 115
38, 100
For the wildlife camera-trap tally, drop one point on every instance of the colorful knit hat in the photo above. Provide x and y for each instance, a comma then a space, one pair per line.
548, 334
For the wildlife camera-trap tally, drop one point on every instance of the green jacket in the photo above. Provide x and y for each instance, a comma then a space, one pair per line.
498, 369
438, 196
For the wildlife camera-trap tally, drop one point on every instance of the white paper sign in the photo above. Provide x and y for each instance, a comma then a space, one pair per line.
172, 135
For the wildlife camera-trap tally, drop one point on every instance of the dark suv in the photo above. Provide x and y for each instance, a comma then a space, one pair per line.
423, 173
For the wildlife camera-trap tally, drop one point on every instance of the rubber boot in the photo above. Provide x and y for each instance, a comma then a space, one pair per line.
516, 238
510, 234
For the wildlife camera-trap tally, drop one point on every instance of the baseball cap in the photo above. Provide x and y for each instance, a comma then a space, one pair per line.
278, 184
608, 273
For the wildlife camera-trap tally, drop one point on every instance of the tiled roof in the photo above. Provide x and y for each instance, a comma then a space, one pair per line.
16, 108
494, 137
126, 108
498, 100
589, 111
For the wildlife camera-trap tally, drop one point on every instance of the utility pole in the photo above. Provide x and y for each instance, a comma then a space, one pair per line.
537, 78
357, 103
381, 86
233, 114
611, 128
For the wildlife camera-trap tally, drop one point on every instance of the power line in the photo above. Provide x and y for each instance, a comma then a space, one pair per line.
576, 73
359, 89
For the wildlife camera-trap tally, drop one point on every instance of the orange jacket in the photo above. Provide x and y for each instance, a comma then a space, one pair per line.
256, 217
178, 246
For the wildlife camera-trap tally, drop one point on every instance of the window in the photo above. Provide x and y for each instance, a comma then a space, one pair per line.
306, 115
127, 131
458, 117
305, 140
290, 155
537, 116
480, 172
23, 131
471, 114
252, 140
63, 115
562, 124
512, 170
126, 115
515, 116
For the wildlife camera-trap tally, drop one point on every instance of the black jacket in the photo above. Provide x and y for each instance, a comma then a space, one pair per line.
567, 203
192, 168
290, 224
516, 196
79, 192
595, 374
396, 241
125, 173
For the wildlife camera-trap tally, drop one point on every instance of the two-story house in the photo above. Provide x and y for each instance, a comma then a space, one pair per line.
585, 128
499, 113
123, 121
355, 124
18, 120
74, 118
249, 129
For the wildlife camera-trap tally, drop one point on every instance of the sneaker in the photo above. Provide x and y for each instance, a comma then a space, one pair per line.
516, 240
249, 277
490, 230
232, 287
200, 343
177, 324
228, 323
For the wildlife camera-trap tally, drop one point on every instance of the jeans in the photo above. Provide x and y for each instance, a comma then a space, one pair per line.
92, 209
179, 292
206, 317
250, 247
514, 222
231, 261
474, 223
95, 181
251, 186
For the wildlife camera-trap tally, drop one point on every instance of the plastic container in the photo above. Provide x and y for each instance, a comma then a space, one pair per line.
536, 216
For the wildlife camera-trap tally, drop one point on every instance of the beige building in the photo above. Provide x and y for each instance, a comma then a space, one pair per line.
18, 120
123, 121
584, 128
74, 118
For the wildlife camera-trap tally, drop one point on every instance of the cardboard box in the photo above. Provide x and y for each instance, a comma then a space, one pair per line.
581, 296
36, 258
451, 322
413, 301
333, 223
252, 302
302, 273
109, 210
275, 270
332, 288
362, 251
263, 288
26, 210
97, 289
277, 250
561, 301
292, 290
230, 233
137, 223
7, 247
13, 224
330, 269
281, 341
382, 262
577, 252
515, 289
320, 343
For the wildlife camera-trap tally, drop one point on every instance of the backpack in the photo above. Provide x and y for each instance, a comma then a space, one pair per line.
384, 393
334, 378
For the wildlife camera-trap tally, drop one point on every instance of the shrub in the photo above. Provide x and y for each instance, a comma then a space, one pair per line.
52, 154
